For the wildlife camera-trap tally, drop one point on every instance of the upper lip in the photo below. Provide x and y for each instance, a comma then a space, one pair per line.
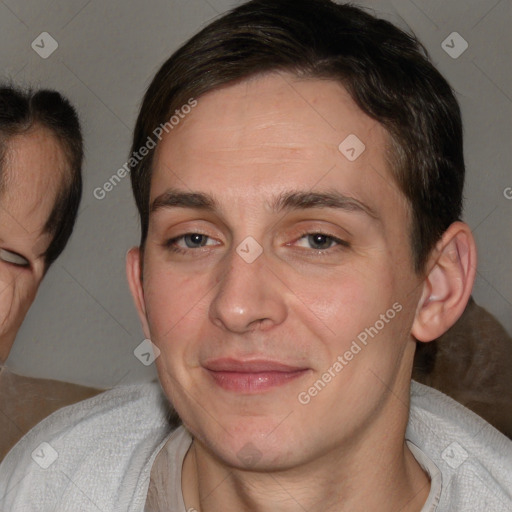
252, 366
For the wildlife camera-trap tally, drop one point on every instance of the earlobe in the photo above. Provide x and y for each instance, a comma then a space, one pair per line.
448, 283
133, 273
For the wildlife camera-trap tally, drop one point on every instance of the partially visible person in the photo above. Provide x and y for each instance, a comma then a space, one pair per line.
41, 155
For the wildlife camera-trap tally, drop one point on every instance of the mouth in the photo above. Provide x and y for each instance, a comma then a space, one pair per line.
253, 376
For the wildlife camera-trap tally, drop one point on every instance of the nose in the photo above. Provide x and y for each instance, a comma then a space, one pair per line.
249, 296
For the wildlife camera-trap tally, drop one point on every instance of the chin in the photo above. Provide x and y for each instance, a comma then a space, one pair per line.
259, 443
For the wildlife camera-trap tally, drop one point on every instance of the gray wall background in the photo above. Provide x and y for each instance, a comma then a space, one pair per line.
83, 327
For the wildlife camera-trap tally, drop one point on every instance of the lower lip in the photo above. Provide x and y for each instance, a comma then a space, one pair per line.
253, 382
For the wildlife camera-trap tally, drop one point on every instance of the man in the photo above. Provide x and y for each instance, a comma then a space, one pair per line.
40, 188
300, 234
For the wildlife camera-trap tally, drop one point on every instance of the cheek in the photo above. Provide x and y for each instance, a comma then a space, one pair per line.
343, 302
177, 310
174, 305
17, 292
8, 306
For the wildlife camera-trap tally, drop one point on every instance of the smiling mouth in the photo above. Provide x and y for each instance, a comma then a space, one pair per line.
251, 376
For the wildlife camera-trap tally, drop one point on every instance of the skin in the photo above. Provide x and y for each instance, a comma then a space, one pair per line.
30, 189
33, 168
298, 304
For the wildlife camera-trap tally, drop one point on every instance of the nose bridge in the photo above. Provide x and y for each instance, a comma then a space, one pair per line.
246, 295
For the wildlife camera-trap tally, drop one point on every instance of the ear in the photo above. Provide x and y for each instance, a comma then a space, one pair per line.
448, 283
133, 273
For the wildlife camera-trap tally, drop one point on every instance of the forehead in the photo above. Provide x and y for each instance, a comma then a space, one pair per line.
33, 159
33, 170
275, 132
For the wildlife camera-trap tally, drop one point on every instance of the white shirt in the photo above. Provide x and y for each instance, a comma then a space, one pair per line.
97, 455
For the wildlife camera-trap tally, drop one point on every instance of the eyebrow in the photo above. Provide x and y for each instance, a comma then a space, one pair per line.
176, 199
333, 199
286, 201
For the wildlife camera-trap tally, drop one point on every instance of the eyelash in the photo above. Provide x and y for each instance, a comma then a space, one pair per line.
341, 244
10, 254
169, 244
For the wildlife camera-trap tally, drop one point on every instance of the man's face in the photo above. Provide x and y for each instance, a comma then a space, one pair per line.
32, 172
243, 337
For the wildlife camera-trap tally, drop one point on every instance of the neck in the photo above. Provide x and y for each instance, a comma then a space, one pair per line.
367, 475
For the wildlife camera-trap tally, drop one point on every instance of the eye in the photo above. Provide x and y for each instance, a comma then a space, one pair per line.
189, 241
13, 258
319, 241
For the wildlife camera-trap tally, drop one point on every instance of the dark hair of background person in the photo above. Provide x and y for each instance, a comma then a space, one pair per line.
19, 112
386, 71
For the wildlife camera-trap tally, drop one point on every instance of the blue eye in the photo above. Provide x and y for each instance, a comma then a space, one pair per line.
13, 258
319, 241
194, 240
189, 241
